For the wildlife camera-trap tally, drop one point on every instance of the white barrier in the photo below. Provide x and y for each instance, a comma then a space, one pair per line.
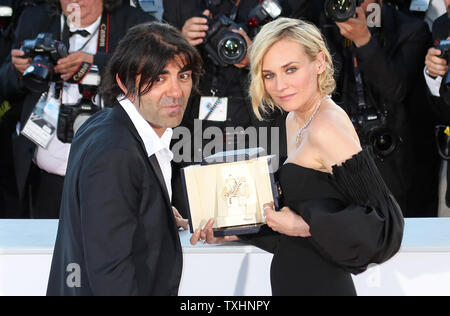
422, 267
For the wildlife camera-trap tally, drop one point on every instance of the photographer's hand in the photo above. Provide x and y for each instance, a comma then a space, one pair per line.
20, 63
67, 66
356, 29
194, 29
246, 61
436, 66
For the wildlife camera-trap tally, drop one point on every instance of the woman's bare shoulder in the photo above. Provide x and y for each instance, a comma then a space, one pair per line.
334, 136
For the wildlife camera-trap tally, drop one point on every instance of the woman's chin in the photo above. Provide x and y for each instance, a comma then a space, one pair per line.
288, 106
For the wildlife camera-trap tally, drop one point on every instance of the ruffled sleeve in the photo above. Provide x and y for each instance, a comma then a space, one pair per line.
368, 230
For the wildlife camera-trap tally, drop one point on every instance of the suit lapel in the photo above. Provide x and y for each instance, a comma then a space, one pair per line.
123, 117
159, 175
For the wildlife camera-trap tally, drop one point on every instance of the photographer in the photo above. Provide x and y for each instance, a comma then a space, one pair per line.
10, 12
437, 76
378, 53
225, 84
90, 30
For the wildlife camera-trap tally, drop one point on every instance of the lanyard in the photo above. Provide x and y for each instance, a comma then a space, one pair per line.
359, 83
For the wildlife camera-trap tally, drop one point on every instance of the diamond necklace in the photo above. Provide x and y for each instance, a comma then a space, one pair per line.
300, 131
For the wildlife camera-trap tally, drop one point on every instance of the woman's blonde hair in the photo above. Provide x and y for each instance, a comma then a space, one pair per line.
294, 30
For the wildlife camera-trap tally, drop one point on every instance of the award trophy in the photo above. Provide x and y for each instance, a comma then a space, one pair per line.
233, 193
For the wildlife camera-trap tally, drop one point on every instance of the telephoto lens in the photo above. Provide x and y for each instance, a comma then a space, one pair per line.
341, 10
232, 48
225, 47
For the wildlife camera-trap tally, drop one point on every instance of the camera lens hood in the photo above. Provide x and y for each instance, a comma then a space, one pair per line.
232, 48
341, 10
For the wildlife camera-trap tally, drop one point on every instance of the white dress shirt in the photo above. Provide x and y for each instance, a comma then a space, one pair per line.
434, 84
54, 158
154, 145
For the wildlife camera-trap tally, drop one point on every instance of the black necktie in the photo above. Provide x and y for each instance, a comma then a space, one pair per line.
83, 33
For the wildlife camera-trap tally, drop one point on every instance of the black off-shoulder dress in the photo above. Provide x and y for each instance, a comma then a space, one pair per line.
354, 221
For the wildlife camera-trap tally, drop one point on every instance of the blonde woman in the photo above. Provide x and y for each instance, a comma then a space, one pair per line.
338, 215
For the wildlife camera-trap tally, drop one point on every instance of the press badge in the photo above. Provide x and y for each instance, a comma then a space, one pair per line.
41, 126
213, 109
419, 5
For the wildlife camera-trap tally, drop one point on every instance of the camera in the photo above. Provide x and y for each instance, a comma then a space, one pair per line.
341, 10
224, 47
444, 47
45, 52
263, 12
372, 130
71, 117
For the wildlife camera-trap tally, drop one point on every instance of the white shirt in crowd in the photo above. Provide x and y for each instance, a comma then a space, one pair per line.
54, 158
434, 84
154, 145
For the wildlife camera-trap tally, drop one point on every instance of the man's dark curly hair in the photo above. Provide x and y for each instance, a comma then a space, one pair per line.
108, 5
145, 51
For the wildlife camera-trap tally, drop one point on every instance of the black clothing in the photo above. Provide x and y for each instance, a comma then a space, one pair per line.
116, 218
354, 221
45, 18
391, 66
44, 198
297, 267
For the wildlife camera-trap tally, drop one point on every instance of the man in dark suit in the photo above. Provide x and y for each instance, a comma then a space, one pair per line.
118, 233
40, 171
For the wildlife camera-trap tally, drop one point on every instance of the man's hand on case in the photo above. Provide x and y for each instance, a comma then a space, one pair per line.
181, 222
206, 235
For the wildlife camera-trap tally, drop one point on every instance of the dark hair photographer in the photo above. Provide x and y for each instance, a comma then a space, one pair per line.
378, 53
60, 49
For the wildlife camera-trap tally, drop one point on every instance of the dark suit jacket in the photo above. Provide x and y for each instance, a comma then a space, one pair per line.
44, 18
116, 219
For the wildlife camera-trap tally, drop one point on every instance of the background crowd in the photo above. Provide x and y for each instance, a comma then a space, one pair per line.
391, 75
